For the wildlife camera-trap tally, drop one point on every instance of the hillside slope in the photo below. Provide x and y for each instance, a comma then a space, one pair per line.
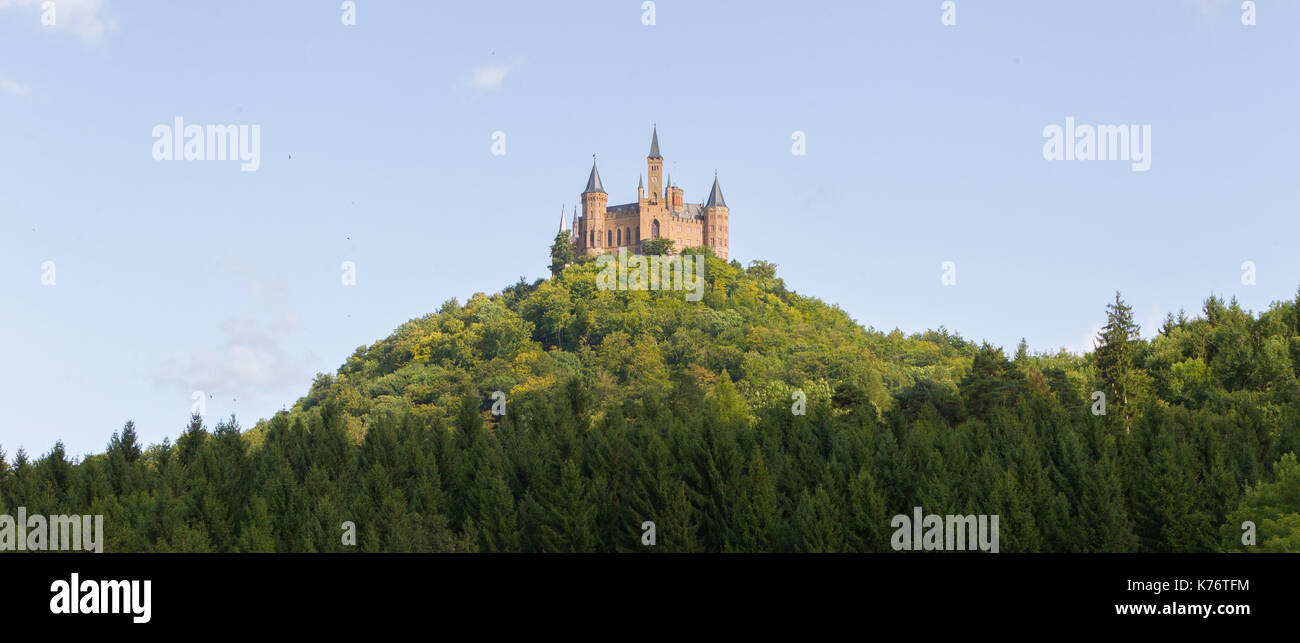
753, 420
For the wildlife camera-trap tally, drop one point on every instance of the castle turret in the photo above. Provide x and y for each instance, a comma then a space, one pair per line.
594, 200
674, 196
655, 165
716, 214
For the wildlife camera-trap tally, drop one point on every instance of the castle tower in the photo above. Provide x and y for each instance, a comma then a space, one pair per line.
655, 164
594, 200
716, 214
674, 196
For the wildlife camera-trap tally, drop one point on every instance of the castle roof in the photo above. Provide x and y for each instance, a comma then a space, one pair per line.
593, 181
715, 196
654, 144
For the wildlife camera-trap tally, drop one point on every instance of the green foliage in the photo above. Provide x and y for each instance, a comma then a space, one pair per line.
631, 406
657, 246
561, 252
1274, 508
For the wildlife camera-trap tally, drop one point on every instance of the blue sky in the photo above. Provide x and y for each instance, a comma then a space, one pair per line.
924, 145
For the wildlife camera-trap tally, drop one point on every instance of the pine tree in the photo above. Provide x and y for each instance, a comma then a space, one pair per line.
1102, 505
255, 534
866, 519
1116, 355
123, 451
818, 526
759, 524
492, 511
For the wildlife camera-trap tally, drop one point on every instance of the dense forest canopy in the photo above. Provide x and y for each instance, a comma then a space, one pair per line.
628, 406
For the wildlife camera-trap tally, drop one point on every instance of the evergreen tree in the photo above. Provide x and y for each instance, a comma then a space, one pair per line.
257, 533
1115, 356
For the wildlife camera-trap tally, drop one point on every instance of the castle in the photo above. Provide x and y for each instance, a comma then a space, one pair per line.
660, 212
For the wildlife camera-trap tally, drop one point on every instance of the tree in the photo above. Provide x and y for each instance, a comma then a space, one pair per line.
1274, 508
818, 526
1102, 505
256, 534
1115, 356
991, 382
760, 523
657, 246
561, 252
761, 269
123, 451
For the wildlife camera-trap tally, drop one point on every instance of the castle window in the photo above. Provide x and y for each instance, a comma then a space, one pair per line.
620, 236
654, 229
638, 235
591, 234
609, 237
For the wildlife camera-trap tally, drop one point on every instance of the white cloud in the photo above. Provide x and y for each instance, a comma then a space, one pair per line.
13, 87
250, 362
81, 17
490, 77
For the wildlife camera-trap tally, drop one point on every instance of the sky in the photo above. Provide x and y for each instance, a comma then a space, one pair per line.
128, 283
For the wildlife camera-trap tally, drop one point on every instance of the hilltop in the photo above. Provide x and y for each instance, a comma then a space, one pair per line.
625, 345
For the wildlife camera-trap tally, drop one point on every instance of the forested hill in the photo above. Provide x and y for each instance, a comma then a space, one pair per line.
753, 420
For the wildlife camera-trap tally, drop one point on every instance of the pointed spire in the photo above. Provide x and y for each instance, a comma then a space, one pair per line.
640, 182
715, 195
654, 144
593, 181
561, 217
